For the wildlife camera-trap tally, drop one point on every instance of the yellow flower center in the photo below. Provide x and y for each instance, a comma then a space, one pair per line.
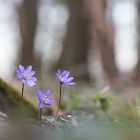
44, 99
25, 75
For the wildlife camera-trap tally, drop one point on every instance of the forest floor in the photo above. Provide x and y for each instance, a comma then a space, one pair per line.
77, 97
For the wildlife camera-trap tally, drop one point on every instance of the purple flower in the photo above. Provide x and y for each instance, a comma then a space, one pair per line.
26, 76
44, 98
64, 78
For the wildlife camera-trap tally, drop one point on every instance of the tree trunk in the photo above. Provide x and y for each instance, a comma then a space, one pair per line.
137, 70
76, 42
28, 24
103, 35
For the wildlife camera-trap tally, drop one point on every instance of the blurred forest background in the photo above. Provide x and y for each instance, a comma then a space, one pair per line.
97, 40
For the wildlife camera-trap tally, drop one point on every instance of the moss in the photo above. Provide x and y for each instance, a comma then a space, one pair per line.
11, 105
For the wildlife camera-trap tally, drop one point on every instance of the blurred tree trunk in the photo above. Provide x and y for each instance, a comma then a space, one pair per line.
103, 37
137, 70
28, 23
76, 42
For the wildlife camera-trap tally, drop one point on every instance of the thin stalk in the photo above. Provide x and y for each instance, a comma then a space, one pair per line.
22, 91
59, 104
40, 115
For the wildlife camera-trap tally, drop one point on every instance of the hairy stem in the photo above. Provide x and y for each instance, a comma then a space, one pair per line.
40, 115
59, 104
22, 91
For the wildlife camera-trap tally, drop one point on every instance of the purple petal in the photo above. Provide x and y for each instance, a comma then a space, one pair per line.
70, 79
39, 95
34, 79
21, 68
65, 74
41, 105
61, 79
49, 102
18, 71
19, 75
23, 80
32, 73
29, 69
47, 93
30, 83
57, 75
69, 84
59, 72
